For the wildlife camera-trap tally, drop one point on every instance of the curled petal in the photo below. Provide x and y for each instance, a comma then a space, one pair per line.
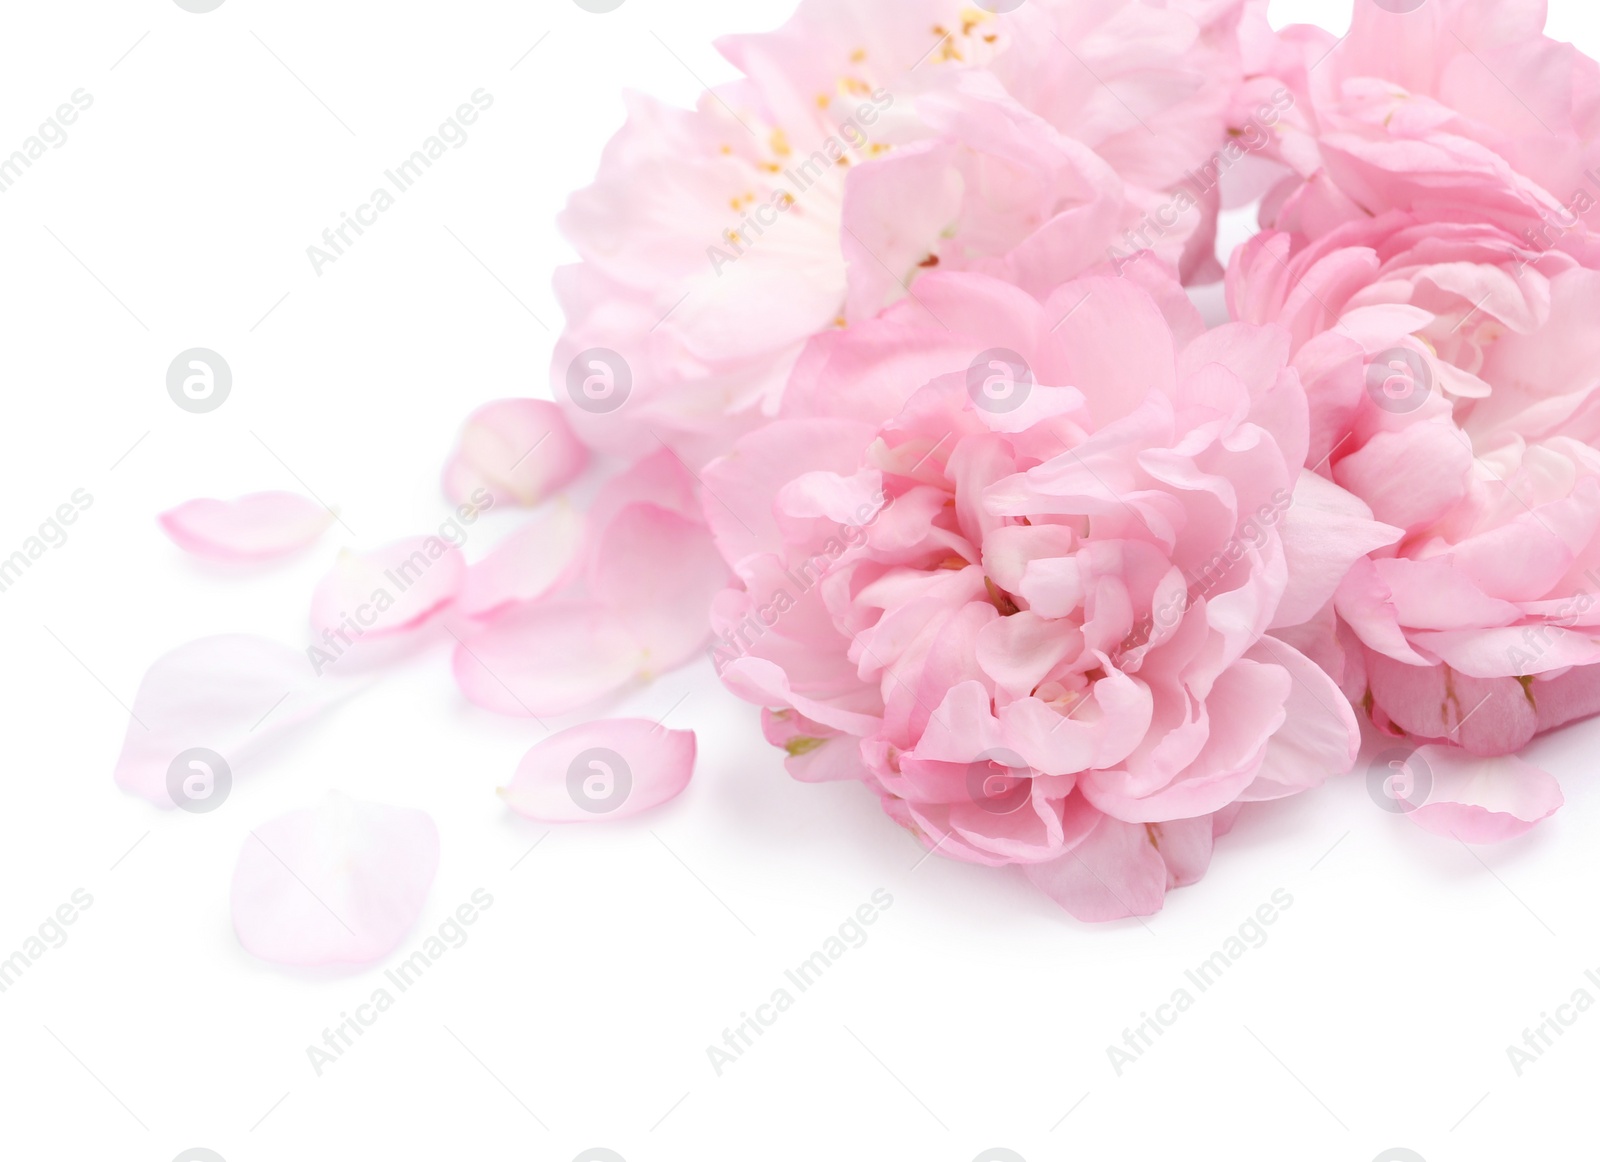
251, 528
341, 883
517, 450
1482, 800
390, 590
601, 770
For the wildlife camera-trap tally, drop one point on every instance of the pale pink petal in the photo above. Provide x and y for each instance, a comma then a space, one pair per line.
742, 487
1319, 737
223, 695
1325, 530
251, 528
1482, 800
518, 451
530, 562
341, 883
608, 769
546, 658
1115, 873
389, 590
657, 572
659, 479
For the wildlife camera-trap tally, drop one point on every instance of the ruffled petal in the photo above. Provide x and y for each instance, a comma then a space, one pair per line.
1482, 800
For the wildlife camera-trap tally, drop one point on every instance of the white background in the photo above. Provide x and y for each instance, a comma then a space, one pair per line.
977, 1015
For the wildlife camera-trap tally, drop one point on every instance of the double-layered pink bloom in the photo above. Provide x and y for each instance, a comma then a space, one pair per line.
1433, 258
1062, 576
867, 145
1033, 579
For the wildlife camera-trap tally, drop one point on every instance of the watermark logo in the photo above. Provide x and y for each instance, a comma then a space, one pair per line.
199, 380
999, 380
599, 780
1399, 380
599, 1153
999, 1153
1000, 7
999, 782
1401, 7
600, 6
199, 1154
199, 780
1399, 1153
1399, 780
599, 380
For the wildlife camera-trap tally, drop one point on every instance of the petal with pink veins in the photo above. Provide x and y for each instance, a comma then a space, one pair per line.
519, 451
390, 590
1483, 800
608, 769
341, 883
252, 528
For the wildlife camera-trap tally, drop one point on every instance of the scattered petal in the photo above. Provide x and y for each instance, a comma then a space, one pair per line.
534, 560
546, 658
225, 695
1482, 800
517, 450
252, 528
658, 572
341, 883
608, 769
389, 590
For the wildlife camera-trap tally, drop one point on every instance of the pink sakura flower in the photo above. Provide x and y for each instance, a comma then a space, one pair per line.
1436, 95
868, 145
1034, 580
1432, 255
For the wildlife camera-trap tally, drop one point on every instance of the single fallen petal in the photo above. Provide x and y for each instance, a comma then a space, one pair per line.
548, 657
1481, 800
252, 528
389, 590
519, 451
608, 769
529, 563
202, 709
341, 883
658, 572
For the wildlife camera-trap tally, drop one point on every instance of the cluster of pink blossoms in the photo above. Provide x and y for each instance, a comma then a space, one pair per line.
928, 443
1062, 574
